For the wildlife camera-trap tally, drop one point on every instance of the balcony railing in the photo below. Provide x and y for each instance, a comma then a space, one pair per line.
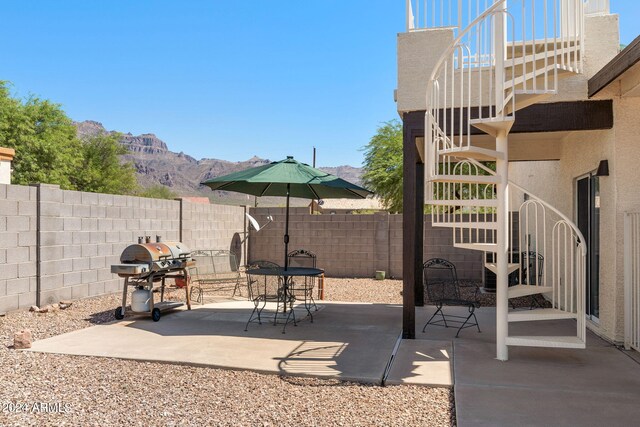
423, 14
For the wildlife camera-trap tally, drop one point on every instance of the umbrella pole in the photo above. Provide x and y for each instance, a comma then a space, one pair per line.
286, 233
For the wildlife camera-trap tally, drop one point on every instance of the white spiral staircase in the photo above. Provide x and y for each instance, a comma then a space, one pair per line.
506, 55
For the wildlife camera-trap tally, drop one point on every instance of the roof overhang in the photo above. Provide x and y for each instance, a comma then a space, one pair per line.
7, 153
624, 67
537, 133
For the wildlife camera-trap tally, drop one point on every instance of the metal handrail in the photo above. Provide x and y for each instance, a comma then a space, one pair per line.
575, 229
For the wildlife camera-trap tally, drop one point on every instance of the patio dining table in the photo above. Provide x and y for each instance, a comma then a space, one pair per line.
288, 274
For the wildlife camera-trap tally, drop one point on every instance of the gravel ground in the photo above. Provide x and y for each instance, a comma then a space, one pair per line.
390, 292
92, 391
363, 290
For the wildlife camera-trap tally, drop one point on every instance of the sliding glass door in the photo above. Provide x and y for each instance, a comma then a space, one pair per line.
588, 219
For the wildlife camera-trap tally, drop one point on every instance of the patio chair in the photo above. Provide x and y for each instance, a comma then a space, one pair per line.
268, 288
302, 287
251, 282
443, 289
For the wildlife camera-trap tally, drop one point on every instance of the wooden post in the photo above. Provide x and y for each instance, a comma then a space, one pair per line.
419, 242
412, 225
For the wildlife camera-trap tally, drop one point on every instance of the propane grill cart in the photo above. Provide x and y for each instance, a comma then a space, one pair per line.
146, 266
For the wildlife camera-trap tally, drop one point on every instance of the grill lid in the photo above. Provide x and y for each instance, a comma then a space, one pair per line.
154, 252
178, 249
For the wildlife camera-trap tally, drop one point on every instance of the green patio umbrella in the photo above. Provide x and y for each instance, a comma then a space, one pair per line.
288, 178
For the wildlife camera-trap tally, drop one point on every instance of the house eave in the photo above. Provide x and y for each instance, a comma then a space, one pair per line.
611, 72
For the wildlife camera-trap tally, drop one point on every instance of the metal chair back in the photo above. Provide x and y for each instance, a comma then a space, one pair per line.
440, 280
302, 258
302, 288
263, 287
443, 289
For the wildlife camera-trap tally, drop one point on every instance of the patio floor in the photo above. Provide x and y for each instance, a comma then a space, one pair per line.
354, 341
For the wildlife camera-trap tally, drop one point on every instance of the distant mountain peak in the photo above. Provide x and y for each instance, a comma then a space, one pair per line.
155, 164
147, 143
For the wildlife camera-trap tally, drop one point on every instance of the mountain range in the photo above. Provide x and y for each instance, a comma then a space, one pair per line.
181, 173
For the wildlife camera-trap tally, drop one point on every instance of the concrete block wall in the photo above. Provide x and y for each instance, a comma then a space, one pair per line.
207, 226
355, 245
18, 254
344, 244
83, 234
67, 240
395, 245
64, 242
438, 243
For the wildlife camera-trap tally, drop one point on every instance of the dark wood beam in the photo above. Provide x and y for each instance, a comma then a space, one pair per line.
626, 59
418, 257
564, 116
413, 224
551, 117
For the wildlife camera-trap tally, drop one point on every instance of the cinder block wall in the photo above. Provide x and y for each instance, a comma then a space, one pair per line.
17, 247
438, 243
343, 243
68, 240
214, 227
82, 234
354, 245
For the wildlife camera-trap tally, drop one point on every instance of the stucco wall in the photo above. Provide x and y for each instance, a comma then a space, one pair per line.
601, 44
626, 172
535, 177
5, 172
419, 51
581, 154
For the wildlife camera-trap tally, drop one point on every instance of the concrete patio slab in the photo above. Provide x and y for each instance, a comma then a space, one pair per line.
596, 386
423, 362
346, 341
599, 385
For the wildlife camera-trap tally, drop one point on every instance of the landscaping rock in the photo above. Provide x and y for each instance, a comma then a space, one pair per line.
22, 339
65, 304
49, 308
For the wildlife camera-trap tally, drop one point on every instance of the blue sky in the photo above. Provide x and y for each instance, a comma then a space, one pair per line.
220, 79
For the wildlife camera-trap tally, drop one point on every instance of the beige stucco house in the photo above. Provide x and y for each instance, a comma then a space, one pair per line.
6, 157
340, 206
565, 135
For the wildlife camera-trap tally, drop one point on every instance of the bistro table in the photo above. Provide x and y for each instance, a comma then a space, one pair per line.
288, 276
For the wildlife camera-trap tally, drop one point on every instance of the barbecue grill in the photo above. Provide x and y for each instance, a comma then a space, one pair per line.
145, 264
